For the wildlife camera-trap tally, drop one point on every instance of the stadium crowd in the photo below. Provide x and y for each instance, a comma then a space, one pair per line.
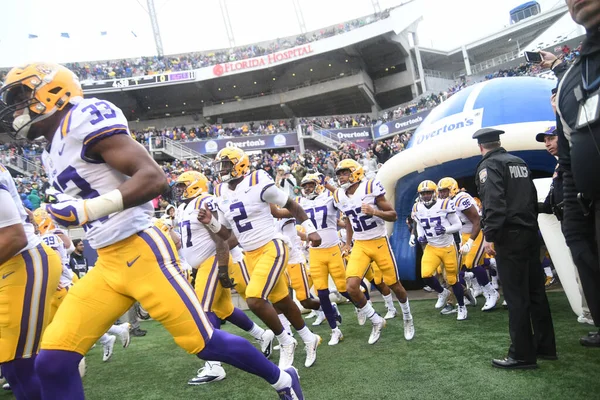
114, 69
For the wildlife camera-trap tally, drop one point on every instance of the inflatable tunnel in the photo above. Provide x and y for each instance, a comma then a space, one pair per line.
443, 146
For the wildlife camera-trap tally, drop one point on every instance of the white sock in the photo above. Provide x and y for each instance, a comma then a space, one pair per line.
210, 364
548, 271
306, 335
285, 339
256, 331
104, 339
405, 307
115, 330
285, 323
284, 381
389, 302
370, 313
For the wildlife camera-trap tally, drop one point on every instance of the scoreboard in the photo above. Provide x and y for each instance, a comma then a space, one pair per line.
138, 81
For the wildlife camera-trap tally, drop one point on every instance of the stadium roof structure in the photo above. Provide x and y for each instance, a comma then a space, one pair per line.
516, 36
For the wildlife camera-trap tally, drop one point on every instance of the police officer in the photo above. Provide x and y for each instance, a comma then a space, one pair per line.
510, 232
554, 201
579, 155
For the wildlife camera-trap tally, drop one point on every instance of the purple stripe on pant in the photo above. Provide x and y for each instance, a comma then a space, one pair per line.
26, 304
266, 291
42, 305
210, 297
163, 267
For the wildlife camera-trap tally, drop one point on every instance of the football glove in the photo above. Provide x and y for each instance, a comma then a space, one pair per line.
422, 240
66, 210
412, 241
466, 248
439, 229
223, 276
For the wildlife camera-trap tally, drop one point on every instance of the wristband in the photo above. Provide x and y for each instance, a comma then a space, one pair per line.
214, 225
309, 227
104, 205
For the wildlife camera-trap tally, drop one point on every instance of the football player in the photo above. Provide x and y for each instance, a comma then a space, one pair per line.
325, 259
107, 182
436, 223
471, 250
364, 203
30, 273
205, 253
243, 201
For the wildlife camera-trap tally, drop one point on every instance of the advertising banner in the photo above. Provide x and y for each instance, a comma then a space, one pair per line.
212, 146
399, 125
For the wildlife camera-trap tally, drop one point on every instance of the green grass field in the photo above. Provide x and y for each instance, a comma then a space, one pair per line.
447, 358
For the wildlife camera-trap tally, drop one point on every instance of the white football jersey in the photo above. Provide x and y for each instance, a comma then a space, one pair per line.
196, 244
323, 214
7, 183
463, 201
52, 240
244, 211
365, 227
73, 172
287, 226
428, 218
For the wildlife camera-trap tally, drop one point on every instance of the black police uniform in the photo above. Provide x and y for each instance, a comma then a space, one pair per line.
509, 201
579, 156
553, 204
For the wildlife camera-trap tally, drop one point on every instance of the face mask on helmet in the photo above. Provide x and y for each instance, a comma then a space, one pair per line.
17, 99
223, 169
309, 190
427, 197
343, 178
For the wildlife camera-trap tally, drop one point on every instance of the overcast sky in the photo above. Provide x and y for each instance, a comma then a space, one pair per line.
193, 25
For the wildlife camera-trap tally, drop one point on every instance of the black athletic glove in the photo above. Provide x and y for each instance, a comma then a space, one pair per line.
223, 275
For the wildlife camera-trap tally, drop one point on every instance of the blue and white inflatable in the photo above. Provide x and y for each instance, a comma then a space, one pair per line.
443, 146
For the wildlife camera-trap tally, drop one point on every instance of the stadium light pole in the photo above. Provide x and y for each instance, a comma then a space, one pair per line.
376, 6
299, 16
155, 28
227, 22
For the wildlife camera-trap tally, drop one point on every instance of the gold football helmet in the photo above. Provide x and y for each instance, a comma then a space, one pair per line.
38, 90
231, 163
450, 184
427, 192
318, 188
195, 184
357, 173
43, 220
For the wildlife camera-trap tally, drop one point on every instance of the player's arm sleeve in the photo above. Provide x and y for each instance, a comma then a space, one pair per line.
378, 189
9, 213
494, 200
273, 195
455, 224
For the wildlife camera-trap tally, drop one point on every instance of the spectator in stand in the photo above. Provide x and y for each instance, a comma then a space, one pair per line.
77, 262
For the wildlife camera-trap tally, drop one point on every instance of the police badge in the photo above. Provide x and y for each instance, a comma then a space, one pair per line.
483, 175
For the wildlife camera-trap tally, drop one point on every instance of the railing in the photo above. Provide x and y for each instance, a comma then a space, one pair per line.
326, 136
175, 149
494, 62
20, 163
438, 74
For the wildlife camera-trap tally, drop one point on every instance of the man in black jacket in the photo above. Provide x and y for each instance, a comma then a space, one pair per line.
579, 155
510, 232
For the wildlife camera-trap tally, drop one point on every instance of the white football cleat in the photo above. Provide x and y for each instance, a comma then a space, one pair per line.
266, 343
462, 313
210, 373
448, 309
442, 298
470, 300
477, 289
362, 319
310, 315
320, 318
6, 387
336, 337
108, 348
391, 313
491, 298
311, 351
409, 329
585, 319
124, 334
286, 354
427, 289
376, 331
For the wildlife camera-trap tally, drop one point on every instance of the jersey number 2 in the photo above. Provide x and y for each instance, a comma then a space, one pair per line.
241, 226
